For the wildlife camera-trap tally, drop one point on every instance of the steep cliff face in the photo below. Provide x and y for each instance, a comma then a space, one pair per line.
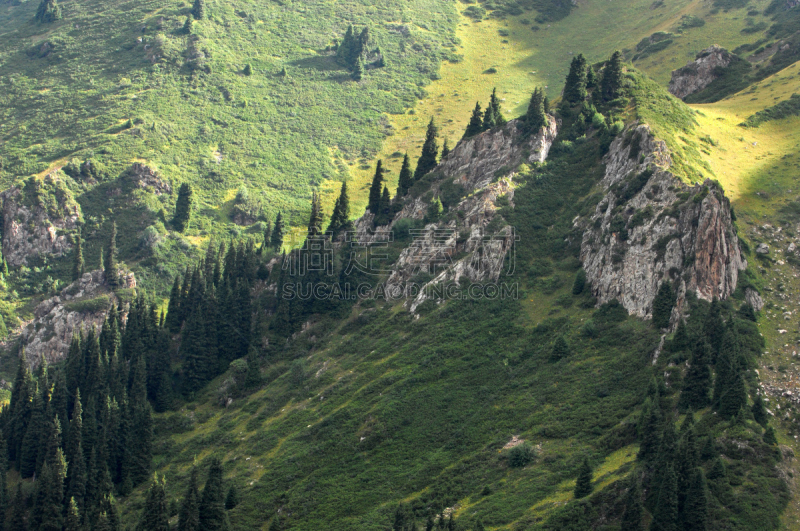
651, 227
38, 219
698, 74
80, 306
463, 244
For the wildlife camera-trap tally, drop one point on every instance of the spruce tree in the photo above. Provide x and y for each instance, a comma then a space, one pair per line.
183, 205
489, 121
73, 520
580, 282
155, 515
730, 393
695, 511
77, 260
48, 11
663, 303
172, 321
560, 349
315, 221
536, 118
232, 498
212, 503
358, 70
494, 103
430, 150
575, 86
17, 521
591, 77
649, 428
406, 178
111, 271
697, 383
769, 436
340, 219
199, 9
373, 203
475, 125
714, 329
445, 149
634, 509
189, 514
187, 26
76, 472
665, 513
384, 216
583, 485
759, 411
278, 233
611, 85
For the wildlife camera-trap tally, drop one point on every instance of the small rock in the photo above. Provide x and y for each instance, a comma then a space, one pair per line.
762, 248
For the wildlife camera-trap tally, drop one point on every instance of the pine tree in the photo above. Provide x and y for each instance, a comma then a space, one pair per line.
430, 150
475, 125
173, 307
494, 103
187, 26
384, 216
663, 303
489, 121
583, 485
611, 85
232, 498
358, 70
769, 436
759, 411
445, 149
315, 221
560, 349
697, 383
575, 86
189, 514
48, 11
634, 509
695, 511
73, 521
340, 218
580, 282
111, 272
536, 118
730, 393
591, 77
212, 504
665, 513
76, 472
406, 178
199, 12
278, 233
155, 515
17, 521
345, 48
183, 206
649, 428
77, 260
373, 203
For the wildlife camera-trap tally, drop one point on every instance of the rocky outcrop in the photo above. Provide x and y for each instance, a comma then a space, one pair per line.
80, 306
462, 245
146, 178
651, 227
698, 74
38, 219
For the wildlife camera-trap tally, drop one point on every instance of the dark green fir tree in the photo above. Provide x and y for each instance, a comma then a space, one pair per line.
189, 513
199, 9
494, 103
278, 233
634, 509
583, 485
110, 261
183, 205
48, 11
445, 149
611, 85
536, 118
155, 515
340, 218
430, 150
374, 201
212, 502
575, 86
475, 124
663, 303
406, 178
77, 260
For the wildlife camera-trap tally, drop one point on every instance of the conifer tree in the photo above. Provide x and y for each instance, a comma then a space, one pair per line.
199, 10
187, 26
315, 221
575, 86
611, 85
232, 498
344, 50
111, 272
591, 77
155, 515
212, 504
384, 216
358, 70
48, 11
183, 206
73, 520
649, 428
172, 321
340, 218
663, 303
695, 511
494, 103
445, 149
17, 520
278, 233
536, 118
77, 260
759, 411
560, 349
634, 510
665, 513
730, 393
406, 178
189, 514
697, 384
714, 329
475, 125
76, 472
489, 121
430, 150
583, 485
769, 436
373, 203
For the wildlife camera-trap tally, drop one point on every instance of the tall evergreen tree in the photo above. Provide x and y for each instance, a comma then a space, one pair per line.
189, 514
155, 515
384, 216
591, 77
199, 10
634, 509
489, 121
17, 520
583, 485
77, 260
358, 70
212, 503
445, 149
48, 11
475, 124
697, 383
183, 205
695, 511
714, 328
730, 393
575, 86
278, 233
340, 218
649, 428
232, 498
430, 150
315, 221
111, 272
172, 321
536, 118
345, 49
373, 203
665, 513
611, 85
406, 178
76, 472
73, 520
663, 303
759, 411
494, 103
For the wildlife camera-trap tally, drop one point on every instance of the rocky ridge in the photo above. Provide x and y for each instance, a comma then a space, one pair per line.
700, 73
651, 227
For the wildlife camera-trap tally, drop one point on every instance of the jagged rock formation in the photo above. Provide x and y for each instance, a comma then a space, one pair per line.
698, 74
81, 305
146, 178
459, 246
38, 219
651, 227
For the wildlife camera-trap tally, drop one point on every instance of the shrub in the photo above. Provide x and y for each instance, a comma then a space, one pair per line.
521, 455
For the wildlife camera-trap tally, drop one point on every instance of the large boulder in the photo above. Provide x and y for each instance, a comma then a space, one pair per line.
700, 73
